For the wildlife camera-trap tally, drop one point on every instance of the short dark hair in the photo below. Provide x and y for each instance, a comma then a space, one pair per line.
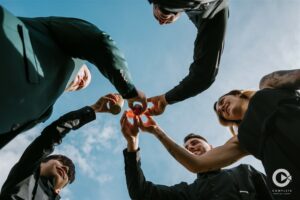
65, 161
193, 135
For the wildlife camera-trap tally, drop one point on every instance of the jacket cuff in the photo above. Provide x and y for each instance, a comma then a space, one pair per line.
131, 157
88, 114
171, 97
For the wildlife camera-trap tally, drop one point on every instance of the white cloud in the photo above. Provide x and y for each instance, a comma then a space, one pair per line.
104, 178
66, 194
87, 143
79, 159
95, 137
12, 152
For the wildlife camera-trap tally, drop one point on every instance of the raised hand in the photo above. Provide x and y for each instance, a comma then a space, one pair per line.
141, 97
159, 105
149, 126
105, 103
130, 131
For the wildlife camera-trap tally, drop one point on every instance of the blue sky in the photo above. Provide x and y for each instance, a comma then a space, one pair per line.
262, 36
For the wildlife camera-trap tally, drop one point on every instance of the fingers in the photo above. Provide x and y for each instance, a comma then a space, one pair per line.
154, 110
147, 112
112, 96
123, 117
151, 111
151, 99
142, 99
141, 124
135, 121
151, 120
130, 104
144, 104
123, 123
109, 99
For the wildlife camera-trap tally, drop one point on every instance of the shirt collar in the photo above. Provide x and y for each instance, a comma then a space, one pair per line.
210, 173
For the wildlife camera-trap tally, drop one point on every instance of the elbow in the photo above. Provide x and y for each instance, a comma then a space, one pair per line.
134, 196
134, 193
197, 167
203, 84
208, 83
264, 82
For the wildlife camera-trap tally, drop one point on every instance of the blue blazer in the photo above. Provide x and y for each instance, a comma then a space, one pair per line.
39, 57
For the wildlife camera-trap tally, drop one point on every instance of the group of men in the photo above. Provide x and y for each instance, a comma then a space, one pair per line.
48, 55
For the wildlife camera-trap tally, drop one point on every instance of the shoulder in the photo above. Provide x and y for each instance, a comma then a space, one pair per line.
271, 94
245, 169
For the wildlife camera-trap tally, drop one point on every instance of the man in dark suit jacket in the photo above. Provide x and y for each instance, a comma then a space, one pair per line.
40, 57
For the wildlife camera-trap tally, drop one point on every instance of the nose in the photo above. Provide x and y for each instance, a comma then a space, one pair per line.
221, 107
190, 147
82, 82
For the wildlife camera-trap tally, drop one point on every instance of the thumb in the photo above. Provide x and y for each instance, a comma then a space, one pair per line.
130, 104
151, 99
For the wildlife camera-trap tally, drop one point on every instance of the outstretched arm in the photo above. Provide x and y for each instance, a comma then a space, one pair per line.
81, 39
207, 54
288, 79
43, 145
214, 159
138, 186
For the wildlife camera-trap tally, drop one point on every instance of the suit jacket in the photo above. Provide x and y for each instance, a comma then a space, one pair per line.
39, 56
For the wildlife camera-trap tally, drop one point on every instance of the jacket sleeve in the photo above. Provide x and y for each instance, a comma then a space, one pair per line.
139, 188
43, 145
178, 4
81, 39
207, 54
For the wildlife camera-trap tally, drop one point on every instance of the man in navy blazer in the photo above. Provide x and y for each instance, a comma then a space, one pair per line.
41, 57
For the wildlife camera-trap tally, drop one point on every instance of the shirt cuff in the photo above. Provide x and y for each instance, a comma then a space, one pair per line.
132, 93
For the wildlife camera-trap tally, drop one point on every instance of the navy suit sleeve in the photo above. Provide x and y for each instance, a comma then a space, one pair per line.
139, 188
81, 39
43, 145
207, 53
178, 4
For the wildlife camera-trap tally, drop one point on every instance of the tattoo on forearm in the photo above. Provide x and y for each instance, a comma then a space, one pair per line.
282, 79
